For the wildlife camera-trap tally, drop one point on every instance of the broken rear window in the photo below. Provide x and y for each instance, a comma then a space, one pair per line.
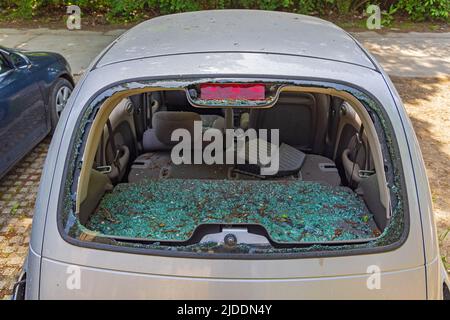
305, 173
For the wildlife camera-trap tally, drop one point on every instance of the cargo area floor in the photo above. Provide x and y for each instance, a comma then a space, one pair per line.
291, 211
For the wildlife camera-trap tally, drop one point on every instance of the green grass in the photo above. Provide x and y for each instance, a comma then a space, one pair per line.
14, 208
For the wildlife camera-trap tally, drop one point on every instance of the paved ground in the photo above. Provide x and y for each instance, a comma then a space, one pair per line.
404, 55
401, 54
410, 54
17, 196
79, 47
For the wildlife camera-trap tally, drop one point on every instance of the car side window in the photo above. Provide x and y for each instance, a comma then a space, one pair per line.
17, 60
4, 66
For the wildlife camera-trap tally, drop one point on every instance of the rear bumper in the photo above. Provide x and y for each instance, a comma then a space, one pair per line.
65, 281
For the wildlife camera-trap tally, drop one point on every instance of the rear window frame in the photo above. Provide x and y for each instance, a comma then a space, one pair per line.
336, 250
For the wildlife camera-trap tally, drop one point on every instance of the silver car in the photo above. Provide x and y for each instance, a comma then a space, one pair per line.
234, 155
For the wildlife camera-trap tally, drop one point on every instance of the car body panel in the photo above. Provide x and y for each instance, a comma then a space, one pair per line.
226, 64
33, 273
57, 284
23, 120
53, 66
24, 104
55, 248
437, 274
423, 188
236, 31
403, 268
436, 277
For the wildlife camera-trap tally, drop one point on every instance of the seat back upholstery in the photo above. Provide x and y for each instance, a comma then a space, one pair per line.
302, 119
164, 123
176, 100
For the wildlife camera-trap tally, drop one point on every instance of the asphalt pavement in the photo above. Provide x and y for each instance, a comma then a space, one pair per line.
410, 54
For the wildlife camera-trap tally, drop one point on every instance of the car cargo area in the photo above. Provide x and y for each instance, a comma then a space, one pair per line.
325, 189
290, 210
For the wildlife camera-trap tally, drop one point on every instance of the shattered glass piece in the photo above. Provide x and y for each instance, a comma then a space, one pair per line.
291, 211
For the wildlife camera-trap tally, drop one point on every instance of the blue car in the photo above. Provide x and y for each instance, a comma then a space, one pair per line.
34, 88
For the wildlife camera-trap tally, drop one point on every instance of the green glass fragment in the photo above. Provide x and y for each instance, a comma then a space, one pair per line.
291, 211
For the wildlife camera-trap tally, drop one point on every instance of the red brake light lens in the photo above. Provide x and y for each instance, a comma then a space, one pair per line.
232, 91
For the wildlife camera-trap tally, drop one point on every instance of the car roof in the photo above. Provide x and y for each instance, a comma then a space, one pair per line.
254, 31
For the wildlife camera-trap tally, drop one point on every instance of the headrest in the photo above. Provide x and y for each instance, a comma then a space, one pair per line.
165, 122
175, 100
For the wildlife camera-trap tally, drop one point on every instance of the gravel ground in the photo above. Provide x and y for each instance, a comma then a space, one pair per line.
427, 101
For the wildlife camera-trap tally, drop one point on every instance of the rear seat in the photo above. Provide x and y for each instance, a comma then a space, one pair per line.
158, 138
155, 163
177, 101
302, 119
